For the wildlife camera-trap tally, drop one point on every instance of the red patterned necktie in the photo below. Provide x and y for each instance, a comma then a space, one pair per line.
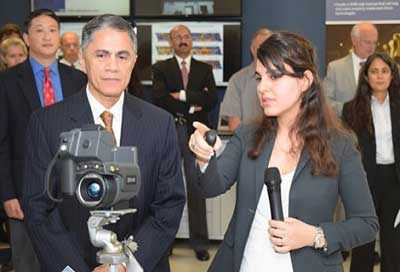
107, 118
48, 92
185, 74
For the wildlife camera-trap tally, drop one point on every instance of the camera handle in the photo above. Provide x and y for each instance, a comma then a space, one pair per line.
113, 252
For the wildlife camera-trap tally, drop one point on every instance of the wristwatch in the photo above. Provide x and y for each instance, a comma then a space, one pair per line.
319, 240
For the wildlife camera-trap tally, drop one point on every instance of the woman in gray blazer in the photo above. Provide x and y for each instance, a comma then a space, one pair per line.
300, 135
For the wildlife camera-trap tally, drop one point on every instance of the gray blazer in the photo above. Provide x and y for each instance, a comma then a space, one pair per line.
312, 199
340, 83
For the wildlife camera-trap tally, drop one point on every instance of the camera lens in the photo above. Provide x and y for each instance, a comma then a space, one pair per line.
93, 190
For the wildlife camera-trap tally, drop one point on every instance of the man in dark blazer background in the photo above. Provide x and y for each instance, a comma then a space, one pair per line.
59, 231
21, 93
186, 88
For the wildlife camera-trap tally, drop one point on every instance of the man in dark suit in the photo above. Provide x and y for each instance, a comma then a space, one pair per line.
186, 88
59, 231
22, 92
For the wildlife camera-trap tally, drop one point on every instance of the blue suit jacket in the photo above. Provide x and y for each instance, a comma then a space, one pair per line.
312, 199
59, 232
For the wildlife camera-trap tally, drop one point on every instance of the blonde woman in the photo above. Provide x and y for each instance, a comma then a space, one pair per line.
12, 52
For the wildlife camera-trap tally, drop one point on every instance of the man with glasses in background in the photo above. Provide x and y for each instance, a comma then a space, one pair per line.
69, 46
342, 74
186, 88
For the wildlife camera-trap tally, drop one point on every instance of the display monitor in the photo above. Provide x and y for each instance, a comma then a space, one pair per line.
87, 8
194, 8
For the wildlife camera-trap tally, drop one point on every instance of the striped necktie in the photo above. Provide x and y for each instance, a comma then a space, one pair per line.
107, 118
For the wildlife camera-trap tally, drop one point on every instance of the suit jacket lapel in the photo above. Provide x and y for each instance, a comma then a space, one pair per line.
394, 116
66, 81
176, 73
351, 77
262, 163
27, 84
304, 158
82, 113
132, 112
193, 72
395, 119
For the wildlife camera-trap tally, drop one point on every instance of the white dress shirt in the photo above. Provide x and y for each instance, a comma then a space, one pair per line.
383, 130
116, 110
259, 254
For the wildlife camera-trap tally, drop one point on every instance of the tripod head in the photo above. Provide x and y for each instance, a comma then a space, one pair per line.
113, 252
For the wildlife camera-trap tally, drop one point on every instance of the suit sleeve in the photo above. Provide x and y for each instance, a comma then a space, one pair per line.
161, 92
53, 245
331, 89
361, 223
206, 95
159, 229
7, 187
222, 173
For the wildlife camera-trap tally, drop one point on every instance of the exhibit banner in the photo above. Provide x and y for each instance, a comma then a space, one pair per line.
341, 15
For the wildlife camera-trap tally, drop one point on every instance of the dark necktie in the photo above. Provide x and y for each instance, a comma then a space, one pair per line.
107, 118
185, 74
48, 92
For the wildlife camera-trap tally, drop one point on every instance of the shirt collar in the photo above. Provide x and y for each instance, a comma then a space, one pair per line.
357, 59
385, 102
38, 67
98, 108
187, 60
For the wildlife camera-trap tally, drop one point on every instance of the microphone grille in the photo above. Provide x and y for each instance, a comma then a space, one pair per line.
272, 176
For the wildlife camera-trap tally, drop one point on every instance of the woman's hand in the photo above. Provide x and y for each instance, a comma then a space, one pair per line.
290, 234
199, 146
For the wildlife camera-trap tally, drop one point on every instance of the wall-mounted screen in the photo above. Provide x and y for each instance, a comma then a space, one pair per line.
170, 8
86, 8
217, 43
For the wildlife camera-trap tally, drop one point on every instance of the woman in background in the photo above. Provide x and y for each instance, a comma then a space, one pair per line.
374, 115
12, 52
9, 31
317, 160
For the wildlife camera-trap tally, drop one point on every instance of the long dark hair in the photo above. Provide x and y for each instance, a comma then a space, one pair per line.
360, 115
316, 122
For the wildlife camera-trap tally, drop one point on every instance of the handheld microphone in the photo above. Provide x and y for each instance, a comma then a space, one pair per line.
272, 179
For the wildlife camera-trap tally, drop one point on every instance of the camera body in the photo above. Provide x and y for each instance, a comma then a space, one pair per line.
100, 173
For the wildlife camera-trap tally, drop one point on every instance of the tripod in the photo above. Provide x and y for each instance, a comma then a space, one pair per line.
113, 252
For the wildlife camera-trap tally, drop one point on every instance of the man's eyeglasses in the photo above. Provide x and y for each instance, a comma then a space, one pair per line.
182, 37
369, 43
